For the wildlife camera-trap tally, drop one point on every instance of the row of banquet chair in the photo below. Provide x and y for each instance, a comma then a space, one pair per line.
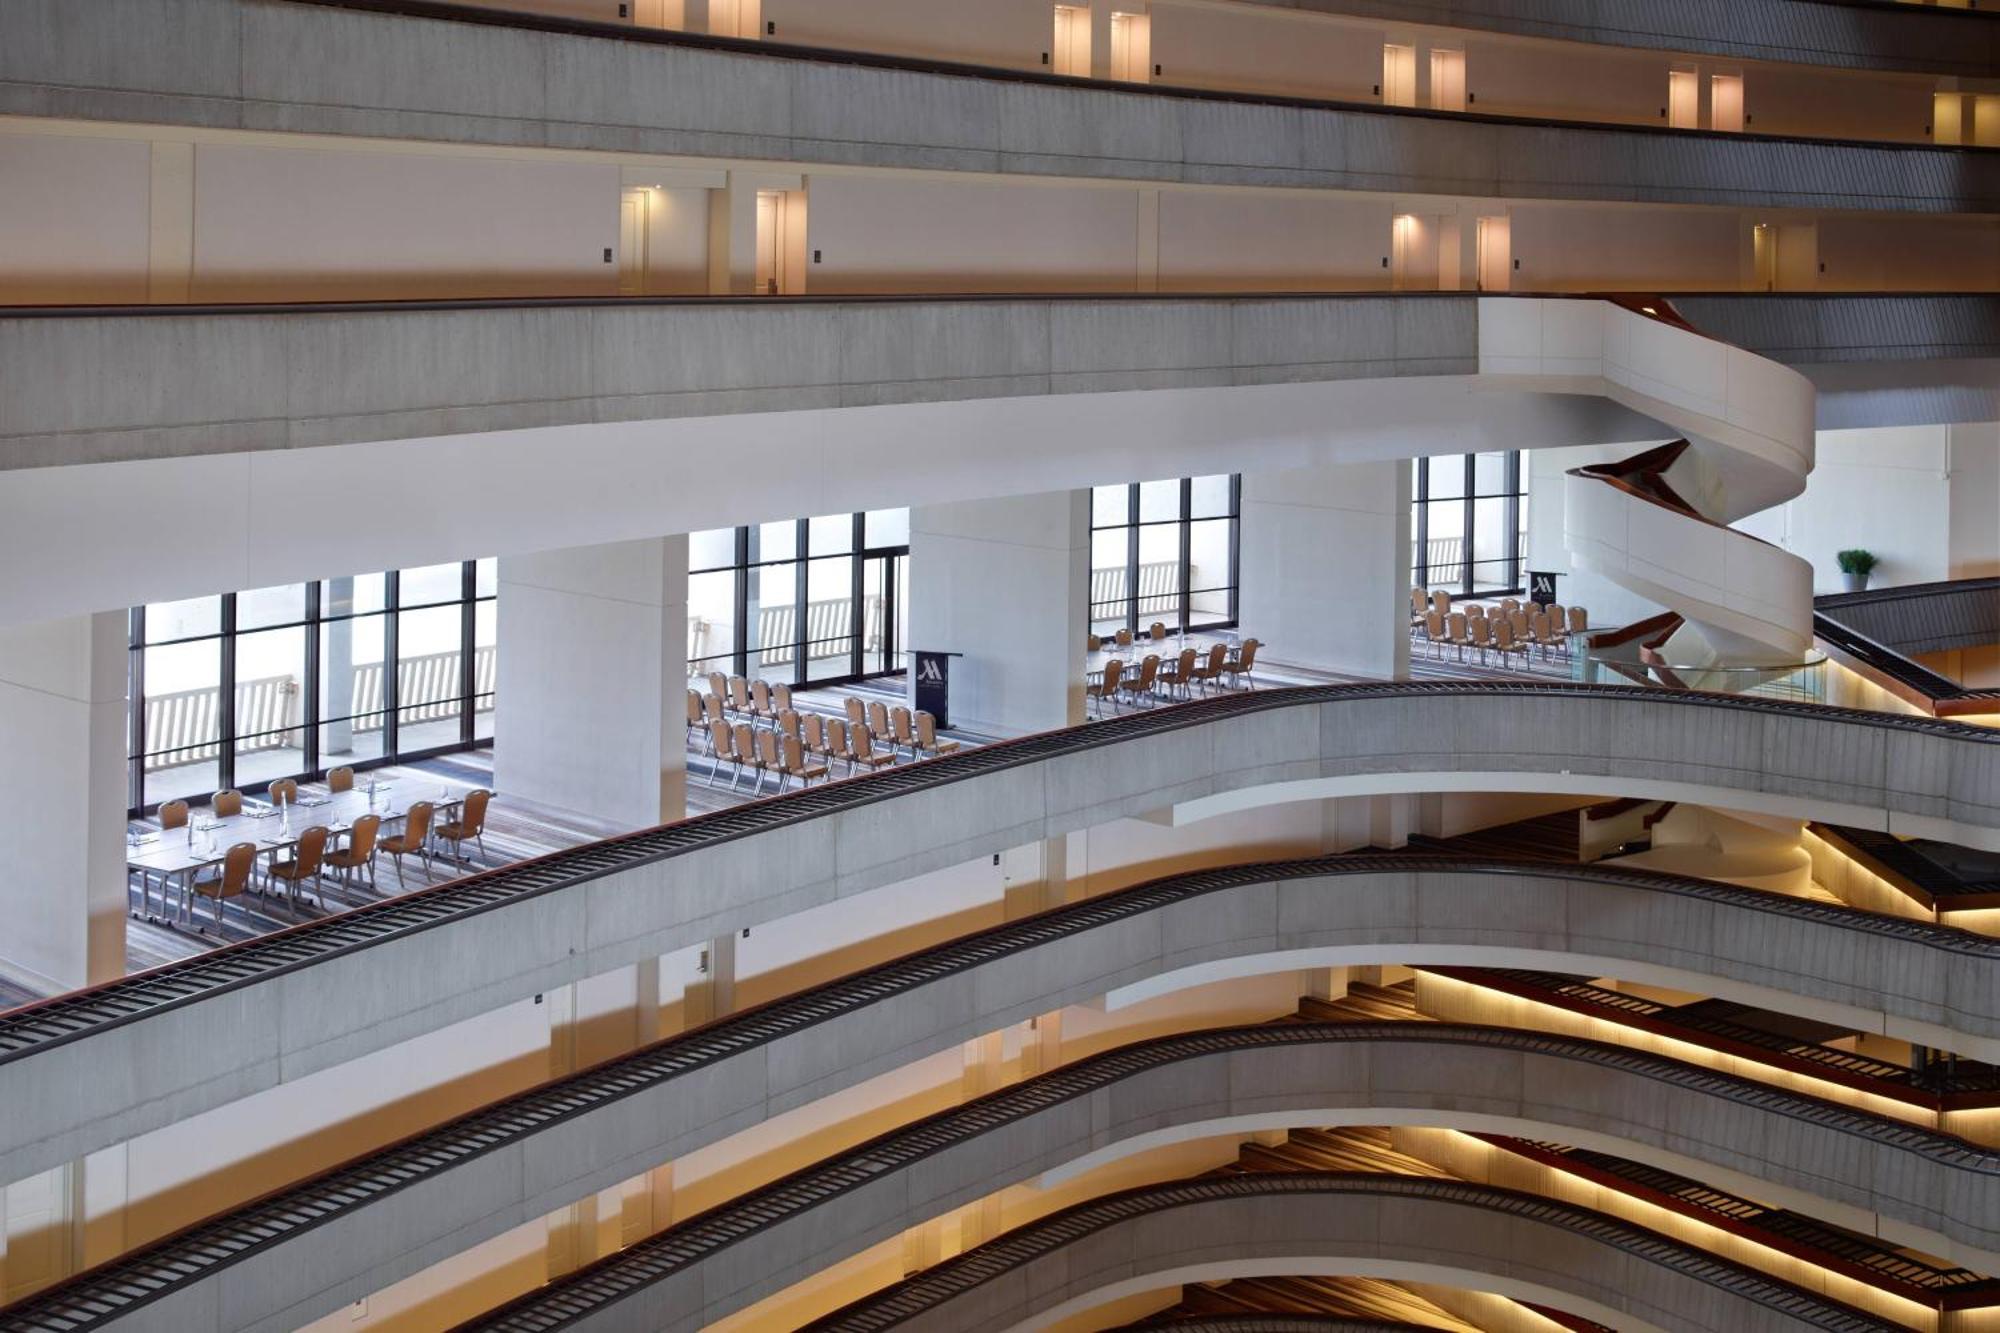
1505, 630
1153, 679
802, 747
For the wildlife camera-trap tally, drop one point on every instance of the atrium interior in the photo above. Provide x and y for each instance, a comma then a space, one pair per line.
1200, 666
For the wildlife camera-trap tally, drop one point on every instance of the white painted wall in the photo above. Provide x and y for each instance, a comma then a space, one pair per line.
329, 224
1924, 499
1325, 577
73, 219
1215, 240
1012, 34
593, 665
62, 786
1005, 582
1610, 247
924, 234
1864, 254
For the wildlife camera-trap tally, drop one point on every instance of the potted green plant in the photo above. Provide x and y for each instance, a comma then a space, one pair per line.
1855, 567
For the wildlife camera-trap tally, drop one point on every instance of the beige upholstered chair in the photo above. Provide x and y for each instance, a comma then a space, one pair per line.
1139, 686
722, 750
1178, 674
226, 881
836, 742
1434, 632
173, 814
861, 750
1157, 631
307, 862
739, 695
1105, 687
1092, 643
1242, 664
718, 685
746, 755
227, 802
1456, 633
1441, 601
340, 779
781, 697
471, 823
359, 853
878, 718
414, 840
1123, 639
857, 714
927, 737
1210, 670
901, 732
797, 766
696, 715
769, 760
1579, 619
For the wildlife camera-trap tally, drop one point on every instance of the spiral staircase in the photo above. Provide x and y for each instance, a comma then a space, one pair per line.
1659, 523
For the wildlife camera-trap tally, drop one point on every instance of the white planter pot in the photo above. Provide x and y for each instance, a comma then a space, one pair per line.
1855, 582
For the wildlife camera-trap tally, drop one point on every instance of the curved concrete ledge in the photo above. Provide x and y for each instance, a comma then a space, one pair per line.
329, 69
694, 1090
1346, 1225
721, 1262
1270, 1323
1841, 33
227, 1024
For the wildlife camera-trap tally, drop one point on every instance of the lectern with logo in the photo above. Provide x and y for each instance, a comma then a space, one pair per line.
930, 684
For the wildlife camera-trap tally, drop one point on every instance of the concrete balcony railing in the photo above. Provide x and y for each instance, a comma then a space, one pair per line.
1238, 1081
223, 1025
1582, 1262
482, 76
1931, 985
600, 413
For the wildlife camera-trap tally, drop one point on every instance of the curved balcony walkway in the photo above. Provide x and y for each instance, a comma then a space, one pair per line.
359, 1227
1236, 1080
1574, 1259
202, 1033
350, 68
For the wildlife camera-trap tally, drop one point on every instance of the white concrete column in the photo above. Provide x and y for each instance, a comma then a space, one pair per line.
1326, 567
593, 675
1006, 583
62, 791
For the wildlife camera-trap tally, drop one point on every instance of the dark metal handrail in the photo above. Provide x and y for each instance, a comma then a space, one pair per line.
73, 1016
230, 1237
935, 1286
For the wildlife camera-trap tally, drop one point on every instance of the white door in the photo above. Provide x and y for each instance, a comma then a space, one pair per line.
1070, 53
1725, 102
1399, 75
1132, 48
1448, 80
770, 276
1684, 99
632, 215
1414, 259
1495, 242
1798, 257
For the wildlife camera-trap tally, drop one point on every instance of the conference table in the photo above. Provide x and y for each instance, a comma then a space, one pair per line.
170, 854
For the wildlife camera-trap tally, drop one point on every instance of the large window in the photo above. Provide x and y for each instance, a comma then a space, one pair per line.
1468, 523
236, 690
1165, 551
809, 601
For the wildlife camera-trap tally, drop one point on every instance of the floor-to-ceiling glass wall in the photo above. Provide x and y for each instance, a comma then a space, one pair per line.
289, 681
809, 601
1164, 551
1469, 523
